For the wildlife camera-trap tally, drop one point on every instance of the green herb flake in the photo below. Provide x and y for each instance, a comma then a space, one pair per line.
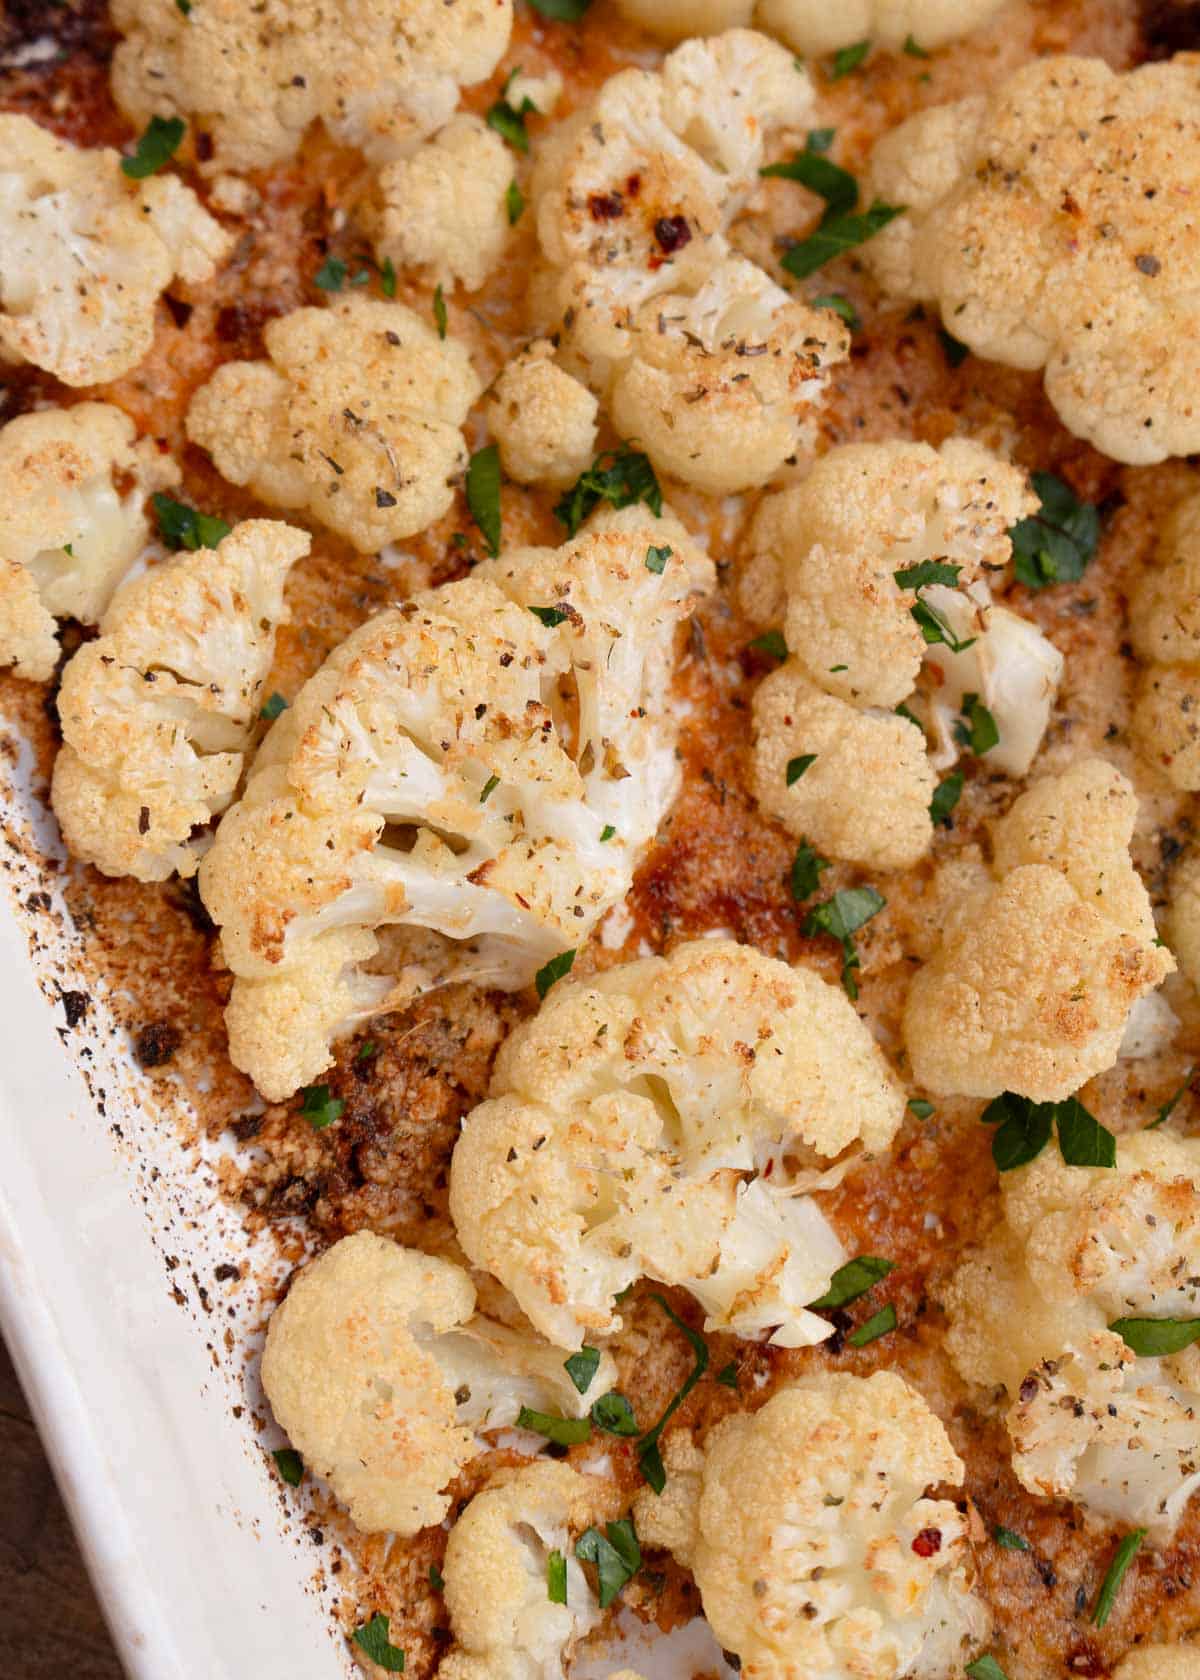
553, 971
372, 1638
606, 833
977, 729
841, 305
614, 1414
564, 1432
1009, 1540
771, 643
819, 139
514, 203
551, 617
954, 351
556, 1578
848, 60
727, 1376
508, 120
656, 558
1025, 1129
483, 494
835, 236
805, 877
366, 1050
290, 1465
985, 1668
879, 1324
331, 276
1084, 1142
561, 11
797, 766
489, 788
1056, 544
841, 917
927, 572
582, 1367
1168, 1108
436, 1579
853, 1279
184, 7
621, 477
935, 629
440, 317
921, 1107
156, 146
945, 797
616, 1555
69, 549
913, 47
649, 1457
181, 526
319, 1108
272, 706
1111, 1584
813, 170
387, 281
1157, 1338
902, 711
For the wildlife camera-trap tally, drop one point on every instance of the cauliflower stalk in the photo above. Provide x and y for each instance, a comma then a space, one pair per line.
73, 484
254, 74
814, 1545
85, 253
356, 419
1038, 1308
1164, 624
379, 1370
627, 1122
1042, 221
157, 713
1031, 987
813, 27
486, 762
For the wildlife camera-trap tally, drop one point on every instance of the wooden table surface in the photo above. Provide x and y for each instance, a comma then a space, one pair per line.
50, 1623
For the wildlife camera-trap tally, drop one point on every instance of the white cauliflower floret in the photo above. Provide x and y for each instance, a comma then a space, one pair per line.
1183, 918
543, 92
85, 253
814, 27
543, 420
814, 1545
254, 74
379, 1370
621, 1122
1160, 1662
866, 794
1031, 988
505, 1625
1081, 1249
443, 209
356, 418
487, 761
1042, 221
73, 486
1164, 626
158, 711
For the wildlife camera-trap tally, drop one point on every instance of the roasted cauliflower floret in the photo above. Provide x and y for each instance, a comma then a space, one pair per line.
1164, 626
381, 74
85, 253
865, 795
73, 486
1031, 988
486, 761
543, 420
356, 418
1042, 219
814, 1545
1183, 918
158, 711
1079, 1250
813, 27
1160, 1662
623, 1122
505, 1625
379, 1370
443, 208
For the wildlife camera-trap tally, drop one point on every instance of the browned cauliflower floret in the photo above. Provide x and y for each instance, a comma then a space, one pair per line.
1183, 918
624, 1121
486, 762
85, 253
379, 1370
253, 74
803, 1523
1160, 1662
814, 26
356, 418
1164, 624
1037, 1310
700, 355
73, 486
543, 420
1043, 220
1031, 988
157, 713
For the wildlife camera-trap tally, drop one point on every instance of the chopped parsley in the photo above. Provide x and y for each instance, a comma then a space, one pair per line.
656, 558
913, 47
508, 120
771, 643
1111, 1584
935, 629
841, 917
181, 526
614, 1414
582, 1367
921, 1107
953, 349
551, 617
556, 1578
813, 170
620, 477
945, 797
554, 970
797, 766
1008, 1540
985, 1668
606, 833
727, 1376
927, 572
183, 6
483, 494
649, 1457
436, 1579
616, 1554
1024, 1129
841, 305
848, 59
819, 139
290, 1465
366, 1050
387, 283
879, 1324
1155, 1338
372, 1638
272, 706
319, 1108
440, 317
1168, 1108
1055, 544
331, 276
805, 876
564, 1432
156, 146
853, 1279
1084, 1142
977, 728
835, 236
489, 788
514, 203
561, 11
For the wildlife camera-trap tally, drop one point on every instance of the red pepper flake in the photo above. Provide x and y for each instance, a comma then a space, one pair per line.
928, 1542
672, 233
606, 207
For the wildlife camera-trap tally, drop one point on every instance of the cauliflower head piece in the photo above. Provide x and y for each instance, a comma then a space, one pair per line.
73, 484
380, 1371
158, 711
1031, 987
813, 1542
1160, 1662
1041, 221
1080, 1249
254, 74
485, 762
504, 1623
623, 1124
812, 27
543, 419
1164, 626
1183, 918
85, 253
356, 418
